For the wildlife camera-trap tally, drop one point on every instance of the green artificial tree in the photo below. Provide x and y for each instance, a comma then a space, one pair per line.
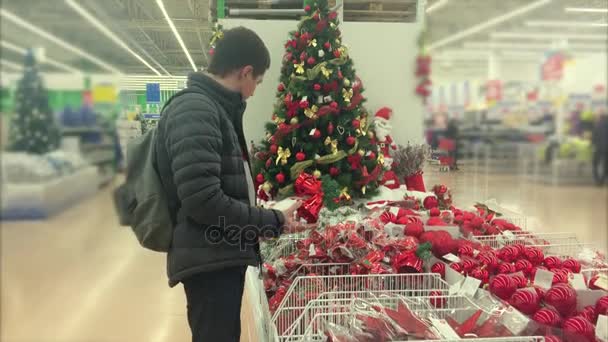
33, 128
319, 124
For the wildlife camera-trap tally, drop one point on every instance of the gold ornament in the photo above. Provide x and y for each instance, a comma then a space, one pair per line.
277, 120
362, 130
345, 195
312, 43
293, 121
267, 186
311, 112
361, 153
326, 72
346, 82
333, 143
380, 159
317, 174
299, 68
338, 42
283, 155
332, 25
347, 94
363, 189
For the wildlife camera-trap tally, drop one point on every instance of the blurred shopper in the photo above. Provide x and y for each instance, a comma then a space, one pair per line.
600, 149
202, 156
452, 133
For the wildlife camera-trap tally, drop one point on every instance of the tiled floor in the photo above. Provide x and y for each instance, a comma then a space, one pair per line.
80, 277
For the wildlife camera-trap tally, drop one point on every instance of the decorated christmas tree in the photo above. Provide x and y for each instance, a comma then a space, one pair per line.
319, 125
33, 128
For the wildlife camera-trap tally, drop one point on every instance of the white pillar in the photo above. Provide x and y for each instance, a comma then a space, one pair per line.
493, 66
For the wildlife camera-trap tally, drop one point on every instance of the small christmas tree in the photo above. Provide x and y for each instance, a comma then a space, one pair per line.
319, 124
33, 128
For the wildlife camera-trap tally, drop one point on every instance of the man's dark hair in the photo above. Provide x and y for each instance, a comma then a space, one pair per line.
238, 48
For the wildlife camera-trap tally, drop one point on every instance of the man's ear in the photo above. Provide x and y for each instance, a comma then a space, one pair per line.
246, 70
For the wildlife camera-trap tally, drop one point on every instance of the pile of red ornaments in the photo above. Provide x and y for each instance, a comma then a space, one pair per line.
481, 223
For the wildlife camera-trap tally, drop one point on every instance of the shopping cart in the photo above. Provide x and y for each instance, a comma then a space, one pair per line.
446, 148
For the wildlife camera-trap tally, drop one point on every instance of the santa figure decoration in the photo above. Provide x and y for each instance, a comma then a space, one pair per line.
383, 128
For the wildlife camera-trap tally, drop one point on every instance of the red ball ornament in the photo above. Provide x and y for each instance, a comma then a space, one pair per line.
506, 268
300, 156
281, 87
333, 15
520, 279
259, 178
524, 266
280, 178
573, 265
274, 149
430, 202
330, 128
371, 156
508, 254
337, 53
481, 274
316, 16
304, 104
307, 8
435, 212
317, 134
327, 45
469, 264
311, 60
489, 260
340, 76
334, 105
552, 262
334, 171
578, 329
601, 306
590, 313
563, 298
437, 299
356, 123
414, 229
521, 248
268, 162
438, 267
317, 87
503, 286
465, 250
456, 266
535, 255
548, 316
561, 276
526, 301
351, 140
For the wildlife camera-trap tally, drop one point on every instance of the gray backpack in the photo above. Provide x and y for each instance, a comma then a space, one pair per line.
142, 201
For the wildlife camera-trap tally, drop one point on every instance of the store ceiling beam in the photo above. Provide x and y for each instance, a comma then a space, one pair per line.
4, 63
161, 5
563, 23
23, 51
436, 6
586, 9
549, 36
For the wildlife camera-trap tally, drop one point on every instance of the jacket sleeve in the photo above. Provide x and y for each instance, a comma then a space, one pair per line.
194, 142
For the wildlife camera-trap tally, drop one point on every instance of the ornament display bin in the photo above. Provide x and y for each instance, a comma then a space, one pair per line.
40, 201
527, 238
288, 318
339, 308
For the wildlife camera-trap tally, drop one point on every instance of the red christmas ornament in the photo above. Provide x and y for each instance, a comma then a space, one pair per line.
506, 268
561, 275
337, 53
489, 260
371, 156
330, 128
458, 267
334, 105
333, 15
316, 16
469, 263
340, 76
274, 149
311, 60
356, 123
466, 250
552, 262
548, 316
334, 171
437, 300
520, 279
327, 45
280, 178
508, 254
524, 266
503, 286
310, 209
304, 104
430, 202
407, 262
562, 297
307, 8
535, 255
281, 87
300, 156
259, 178
552, 338
577, 329
526, 301
351, 140
590, 313
317, 134
414, 229
601, 307
438, 267
481, 274
268, 162
573, 265
317, 87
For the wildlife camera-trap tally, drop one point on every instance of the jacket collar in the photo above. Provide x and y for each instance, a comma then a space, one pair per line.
230, 100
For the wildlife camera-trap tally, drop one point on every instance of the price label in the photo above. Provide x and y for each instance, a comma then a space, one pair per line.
515, 321
311, 250
451, 257
394, 210
444, 329
601, 329
543, 279
578, 282
469, 286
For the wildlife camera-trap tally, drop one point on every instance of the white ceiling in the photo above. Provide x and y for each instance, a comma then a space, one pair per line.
141, 25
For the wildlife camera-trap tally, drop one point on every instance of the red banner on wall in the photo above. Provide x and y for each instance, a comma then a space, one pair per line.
553, 68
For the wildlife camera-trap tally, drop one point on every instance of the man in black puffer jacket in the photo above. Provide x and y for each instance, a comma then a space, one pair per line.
203, 164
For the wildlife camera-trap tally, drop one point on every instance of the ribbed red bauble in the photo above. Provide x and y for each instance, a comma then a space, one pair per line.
552, 262
590, 313
508, 254
548, 316
573, 265
563, 298
524, 266
520, 279
281, 87
438, 267
437, 300
506, 268
526, 301
456, 266
503, 286
601, 306
578, 329
481, 274
535, 255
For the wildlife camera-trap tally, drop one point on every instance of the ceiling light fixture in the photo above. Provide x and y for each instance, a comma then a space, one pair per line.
520, 46
23, 51
175, 33
10, 64
98, 25
586, 10
44, 34
543, 36
437, 5
487, 24
555, 23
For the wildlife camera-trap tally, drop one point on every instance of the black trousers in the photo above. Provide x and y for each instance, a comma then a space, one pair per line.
214, 304
600, 166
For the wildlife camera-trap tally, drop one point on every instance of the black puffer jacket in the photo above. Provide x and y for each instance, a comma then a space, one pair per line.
202, 165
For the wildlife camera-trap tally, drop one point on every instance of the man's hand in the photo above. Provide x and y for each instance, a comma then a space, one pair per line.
292, 224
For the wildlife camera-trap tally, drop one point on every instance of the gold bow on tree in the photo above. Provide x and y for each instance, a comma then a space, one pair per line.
347, 94
326, 72
277, 120
299, 68
333, 143
381, 159
311, 112
312, 43
362, 130
345, 195
283, 155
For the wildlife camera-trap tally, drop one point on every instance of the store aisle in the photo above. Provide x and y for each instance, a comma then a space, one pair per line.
81, 277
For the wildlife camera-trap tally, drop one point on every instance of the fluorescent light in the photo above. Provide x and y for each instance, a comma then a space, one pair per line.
175, 33
487, 24
10, 64
437, 5
541, 36
520, 46
586, 10
20, 22
98, 25
555, 23
22, 51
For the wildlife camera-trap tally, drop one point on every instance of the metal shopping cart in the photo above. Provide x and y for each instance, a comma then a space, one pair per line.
446, 154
